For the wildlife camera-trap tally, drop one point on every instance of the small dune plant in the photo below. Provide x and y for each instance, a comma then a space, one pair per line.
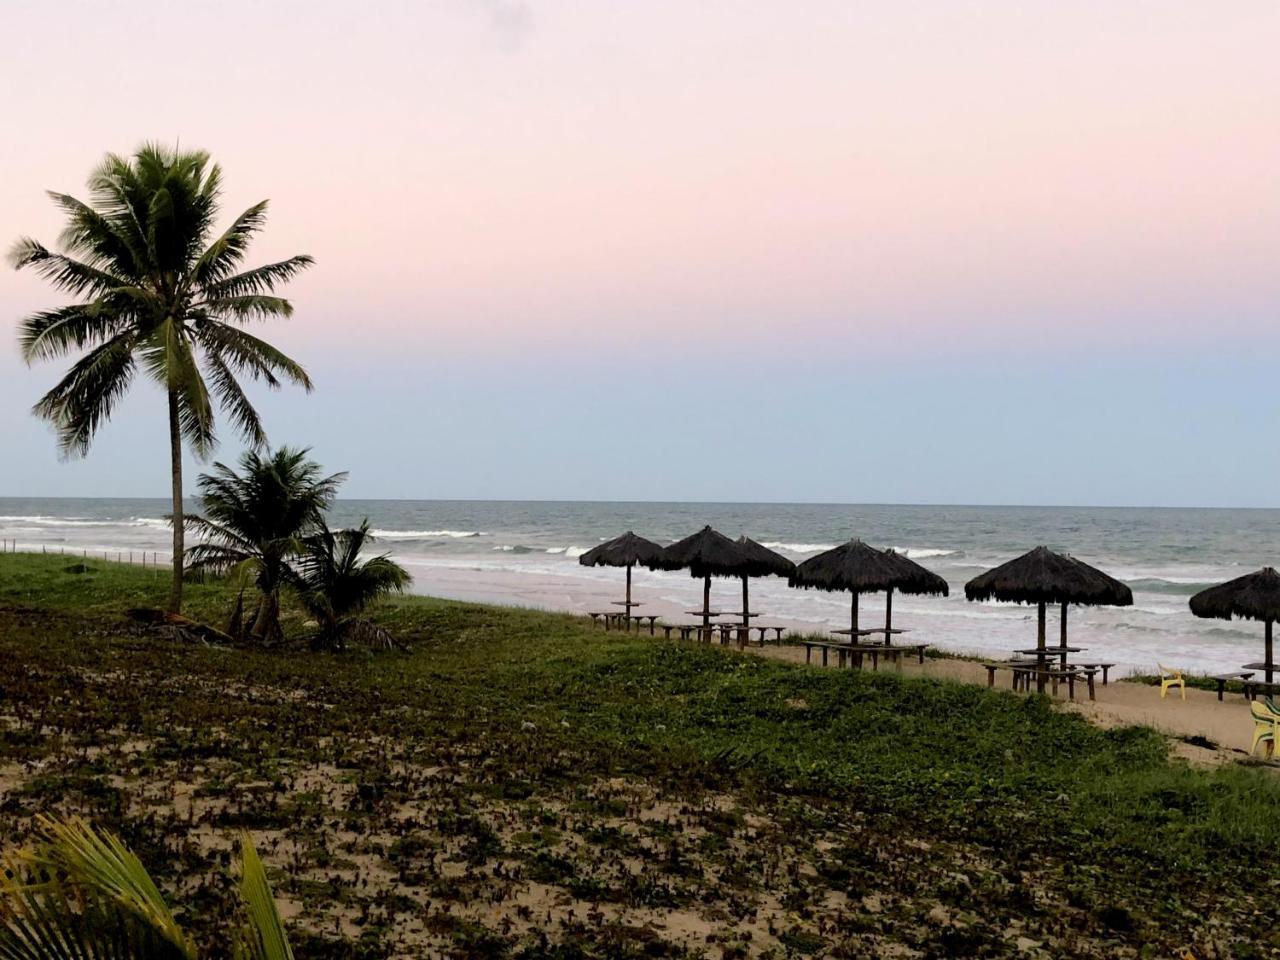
254, 523
79, 893
336, 584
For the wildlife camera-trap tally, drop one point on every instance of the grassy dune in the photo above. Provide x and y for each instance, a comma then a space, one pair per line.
521, 785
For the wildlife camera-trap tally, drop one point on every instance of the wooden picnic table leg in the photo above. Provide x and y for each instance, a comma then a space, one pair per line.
1091, 696
652, 625
920, 651
808, 654
1105, 668
824, 656
1071, 685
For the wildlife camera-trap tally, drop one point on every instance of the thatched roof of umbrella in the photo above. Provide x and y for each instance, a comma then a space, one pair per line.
861, 568
1042, 576
1255, 596
779, 565
622, 551
709, 553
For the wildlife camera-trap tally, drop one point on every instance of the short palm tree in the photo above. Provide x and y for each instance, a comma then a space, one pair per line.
155, 289
81, 894
254, 521
336, 585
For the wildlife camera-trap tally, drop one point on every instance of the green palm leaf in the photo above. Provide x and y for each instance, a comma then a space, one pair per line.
263, 937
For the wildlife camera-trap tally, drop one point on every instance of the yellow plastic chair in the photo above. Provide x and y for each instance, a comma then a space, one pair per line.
1171, 678
1266, 724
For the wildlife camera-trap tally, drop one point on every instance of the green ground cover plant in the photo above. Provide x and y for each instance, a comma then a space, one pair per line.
520, 784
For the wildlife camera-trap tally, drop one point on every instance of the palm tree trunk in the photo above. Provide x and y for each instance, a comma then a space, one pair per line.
175, 460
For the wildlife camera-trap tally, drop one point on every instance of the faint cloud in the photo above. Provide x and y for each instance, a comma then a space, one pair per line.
512, 21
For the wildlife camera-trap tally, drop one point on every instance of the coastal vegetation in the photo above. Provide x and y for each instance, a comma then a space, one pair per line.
519, 784
78, 893
155, 290
253, 523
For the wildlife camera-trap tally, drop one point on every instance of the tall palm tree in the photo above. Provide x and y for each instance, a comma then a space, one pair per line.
255, 521
156, 289
81, 894
335, 584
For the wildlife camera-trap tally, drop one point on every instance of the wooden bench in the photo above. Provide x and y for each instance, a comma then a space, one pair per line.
1071, 675
1253, 687
685, 630
1222, 679
826, 646
639, 619
610, 618
777, 636
1016, 666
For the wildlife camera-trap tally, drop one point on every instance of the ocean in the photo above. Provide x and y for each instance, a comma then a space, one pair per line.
527, 553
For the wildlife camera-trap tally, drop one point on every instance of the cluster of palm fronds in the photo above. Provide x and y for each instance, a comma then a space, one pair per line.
267, 525
81, 894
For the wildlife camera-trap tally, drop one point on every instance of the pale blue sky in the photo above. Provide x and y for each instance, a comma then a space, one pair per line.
1010, 251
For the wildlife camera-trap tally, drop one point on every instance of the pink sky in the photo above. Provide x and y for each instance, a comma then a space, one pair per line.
555, 174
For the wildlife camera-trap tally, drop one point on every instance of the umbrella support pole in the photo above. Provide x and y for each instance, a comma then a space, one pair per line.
888, 617
627, 608
1269, 661
1040, 632
1062, 637
706, 608
745, 633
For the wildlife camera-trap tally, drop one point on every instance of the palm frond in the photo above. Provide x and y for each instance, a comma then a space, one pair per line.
101, 240
336, 584
222, 256
169, 359
55, 333
84, 398
246, 353
263, 937
259, 280
62, 272
233, 400
104, 870
252, 306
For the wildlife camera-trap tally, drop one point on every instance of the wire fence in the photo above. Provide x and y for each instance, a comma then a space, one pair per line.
147, 559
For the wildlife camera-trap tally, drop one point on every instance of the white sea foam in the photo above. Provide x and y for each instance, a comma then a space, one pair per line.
924, 553
799, 547
76, 521
427, 534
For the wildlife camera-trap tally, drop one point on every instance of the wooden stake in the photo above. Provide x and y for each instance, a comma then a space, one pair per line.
888, 615
1269, 661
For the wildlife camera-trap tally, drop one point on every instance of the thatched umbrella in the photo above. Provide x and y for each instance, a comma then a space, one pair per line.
1043, 577
861, 568
1255, 596
624, 551
778, 565
709, 553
